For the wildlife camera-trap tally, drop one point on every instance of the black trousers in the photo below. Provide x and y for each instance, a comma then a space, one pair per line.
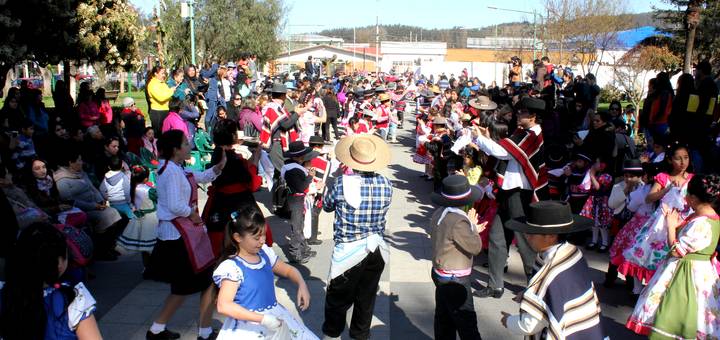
513, 204
454, 309
156, 120
326, 128
297, 215
357, 287
315, 221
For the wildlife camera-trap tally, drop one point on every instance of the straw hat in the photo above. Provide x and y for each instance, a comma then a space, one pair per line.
483, 103
384, 97
363, 152
435, 89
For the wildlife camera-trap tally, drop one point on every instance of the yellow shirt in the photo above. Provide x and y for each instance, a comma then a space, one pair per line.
160, 94
473, 174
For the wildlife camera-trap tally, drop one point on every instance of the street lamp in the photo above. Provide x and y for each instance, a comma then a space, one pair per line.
535, 15
187, 10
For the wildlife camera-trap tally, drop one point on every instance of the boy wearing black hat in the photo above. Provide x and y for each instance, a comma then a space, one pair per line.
560, 301
455, 239
298, 175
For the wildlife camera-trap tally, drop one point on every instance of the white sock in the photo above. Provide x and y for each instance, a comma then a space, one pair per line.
604, 236
204, 332
157, 328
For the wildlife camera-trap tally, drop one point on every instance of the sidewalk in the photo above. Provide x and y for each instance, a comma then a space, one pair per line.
405, 303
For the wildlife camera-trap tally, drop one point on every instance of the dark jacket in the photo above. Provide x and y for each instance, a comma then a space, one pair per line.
332, 107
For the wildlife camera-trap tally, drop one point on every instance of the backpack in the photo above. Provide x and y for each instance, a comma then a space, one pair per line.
80, 245
280, 193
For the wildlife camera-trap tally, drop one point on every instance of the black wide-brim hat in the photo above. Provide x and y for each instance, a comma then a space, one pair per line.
298, 149
456, 192
549, 217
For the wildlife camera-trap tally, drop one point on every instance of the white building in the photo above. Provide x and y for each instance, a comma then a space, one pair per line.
360, 59
404, 56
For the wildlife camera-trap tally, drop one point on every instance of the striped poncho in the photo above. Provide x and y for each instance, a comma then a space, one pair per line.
562, 295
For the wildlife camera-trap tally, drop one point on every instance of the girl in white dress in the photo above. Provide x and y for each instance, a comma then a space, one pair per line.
247, 291
141, 232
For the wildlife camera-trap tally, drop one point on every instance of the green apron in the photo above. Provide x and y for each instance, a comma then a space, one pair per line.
677, 312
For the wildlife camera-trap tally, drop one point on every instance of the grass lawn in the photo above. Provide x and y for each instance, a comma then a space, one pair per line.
138, 96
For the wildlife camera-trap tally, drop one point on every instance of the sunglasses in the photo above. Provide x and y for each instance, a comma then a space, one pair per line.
238, 98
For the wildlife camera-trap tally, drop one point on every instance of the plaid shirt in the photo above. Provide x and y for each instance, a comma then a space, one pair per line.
355, 224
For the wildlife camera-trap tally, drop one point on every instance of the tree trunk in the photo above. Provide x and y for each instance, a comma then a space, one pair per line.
6, 75
47, 76
692, 20
121, 75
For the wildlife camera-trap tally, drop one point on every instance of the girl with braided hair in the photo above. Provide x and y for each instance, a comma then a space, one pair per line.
682, 300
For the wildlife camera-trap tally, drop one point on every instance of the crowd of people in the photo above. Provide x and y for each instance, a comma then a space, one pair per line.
537, 164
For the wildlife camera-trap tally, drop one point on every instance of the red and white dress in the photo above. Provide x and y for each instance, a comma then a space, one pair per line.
423, 135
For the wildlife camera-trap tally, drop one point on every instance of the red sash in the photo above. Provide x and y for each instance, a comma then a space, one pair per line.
197, 242
322, 171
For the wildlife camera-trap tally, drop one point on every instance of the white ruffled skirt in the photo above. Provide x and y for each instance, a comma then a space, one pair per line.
292, 328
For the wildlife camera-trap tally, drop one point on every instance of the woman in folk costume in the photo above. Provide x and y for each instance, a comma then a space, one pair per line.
650, 246
634, 203
182, 256
313, 201
682, 301
233, 189
560, 301
423, 133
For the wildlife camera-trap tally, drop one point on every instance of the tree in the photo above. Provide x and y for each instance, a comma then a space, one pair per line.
108, 32
692, 19
40, 30
632, 69
705, 16
224, 29
585, 27
51, 31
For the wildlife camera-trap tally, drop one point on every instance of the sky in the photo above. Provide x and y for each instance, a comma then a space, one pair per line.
303, 15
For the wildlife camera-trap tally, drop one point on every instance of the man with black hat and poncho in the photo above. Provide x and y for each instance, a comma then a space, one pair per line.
560, 301
521, 174
279, 126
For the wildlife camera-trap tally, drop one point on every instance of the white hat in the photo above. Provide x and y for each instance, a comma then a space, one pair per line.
128, 102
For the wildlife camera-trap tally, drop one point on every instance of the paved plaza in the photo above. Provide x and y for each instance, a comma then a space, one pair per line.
405, 302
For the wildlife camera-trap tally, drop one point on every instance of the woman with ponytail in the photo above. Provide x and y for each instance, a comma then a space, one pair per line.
182, 255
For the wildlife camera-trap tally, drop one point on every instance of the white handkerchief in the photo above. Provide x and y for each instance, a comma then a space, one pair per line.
586, 183
460, 143
459, 212
351, 190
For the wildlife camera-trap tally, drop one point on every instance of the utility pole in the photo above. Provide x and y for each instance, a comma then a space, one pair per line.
377, 45
187, 10
535, 15
354, 49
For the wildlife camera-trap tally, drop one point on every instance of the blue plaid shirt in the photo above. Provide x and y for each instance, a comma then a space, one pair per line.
355, 224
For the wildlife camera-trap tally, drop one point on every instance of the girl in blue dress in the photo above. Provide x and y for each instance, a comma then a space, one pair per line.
35, 304
247, 289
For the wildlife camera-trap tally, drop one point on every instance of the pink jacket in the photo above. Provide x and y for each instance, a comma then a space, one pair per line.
173, 121
106, 114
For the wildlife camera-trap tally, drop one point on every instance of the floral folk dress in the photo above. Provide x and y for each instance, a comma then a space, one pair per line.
626, 236
596, 207
650, 246
682, 301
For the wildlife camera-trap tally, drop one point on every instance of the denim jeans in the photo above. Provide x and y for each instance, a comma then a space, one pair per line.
391, 130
